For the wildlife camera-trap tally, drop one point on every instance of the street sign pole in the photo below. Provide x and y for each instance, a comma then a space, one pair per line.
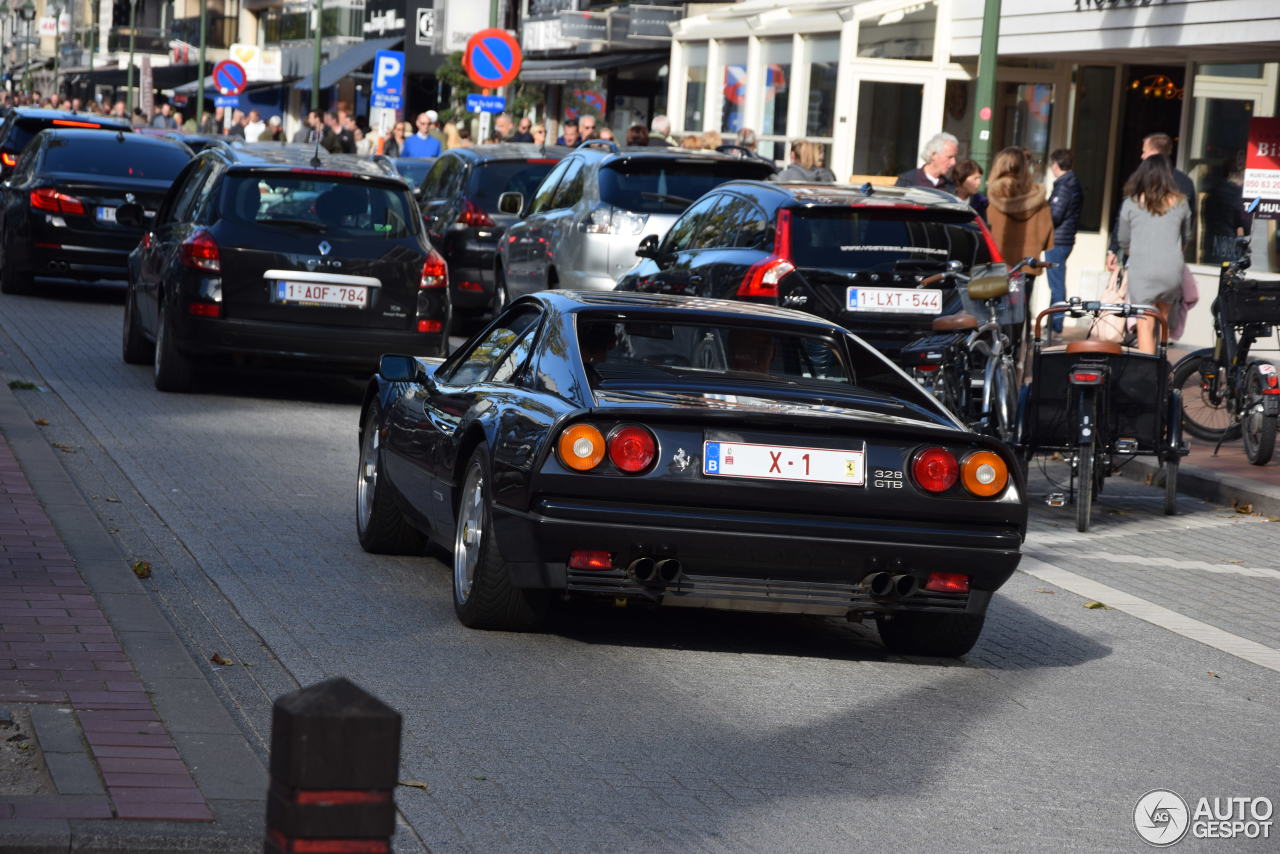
980, 144
315, 69
133, 28
204, 27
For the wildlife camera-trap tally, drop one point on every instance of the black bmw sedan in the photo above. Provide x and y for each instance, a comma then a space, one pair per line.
21, 125
58, 208
276, 255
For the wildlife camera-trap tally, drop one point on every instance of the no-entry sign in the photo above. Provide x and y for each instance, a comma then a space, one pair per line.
492, 58
229, 77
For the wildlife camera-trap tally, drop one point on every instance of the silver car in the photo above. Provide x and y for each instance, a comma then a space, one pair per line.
582, 226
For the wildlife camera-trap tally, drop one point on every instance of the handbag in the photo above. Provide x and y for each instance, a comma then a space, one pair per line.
1111, 326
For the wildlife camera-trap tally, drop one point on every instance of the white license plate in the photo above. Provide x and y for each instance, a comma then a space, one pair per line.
783, 462
106, 214
896, 300
317, 293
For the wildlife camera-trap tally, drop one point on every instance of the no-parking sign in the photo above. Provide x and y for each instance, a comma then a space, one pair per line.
492, 58
229, 77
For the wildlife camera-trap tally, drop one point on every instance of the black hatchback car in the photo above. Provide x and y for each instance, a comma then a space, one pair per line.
22, 124
865, 258
273, 252
459, 199
58, 210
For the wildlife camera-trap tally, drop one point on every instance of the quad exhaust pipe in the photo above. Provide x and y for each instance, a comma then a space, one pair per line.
882, 585
646, 570
642, 569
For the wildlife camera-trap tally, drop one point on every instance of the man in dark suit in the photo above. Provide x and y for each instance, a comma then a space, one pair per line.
1156, 143
939, 158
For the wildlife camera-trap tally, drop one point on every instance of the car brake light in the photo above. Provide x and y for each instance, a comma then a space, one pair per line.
471, 286
581, 447
935, 469
472, 215
763, 277
146, 240
333, 173
584, 559
632, 449
991, 241
200, 251
947, 582
435, 272
927, 368
204, 309
8, 159
1272, 381
49, 199
434, 326
68, 123
984, 474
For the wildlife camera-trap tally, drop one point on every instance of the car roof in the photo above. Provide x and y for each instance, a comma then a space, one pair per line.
45, 114
669, 305
95, 133
275, 156
510, 151
811, 195
602, 154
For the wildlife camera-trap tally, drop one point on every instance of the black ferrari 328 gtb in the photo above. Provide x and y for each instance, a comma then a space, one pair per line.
688, 452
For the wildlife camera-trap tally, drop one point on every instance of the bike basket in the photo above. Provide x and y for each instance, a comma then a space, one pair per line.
1010, 308
931, 350
1250, 301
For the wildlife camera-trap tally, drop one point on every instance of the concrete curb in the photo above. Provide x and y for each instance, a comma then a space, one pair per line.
224, 766
1213, 486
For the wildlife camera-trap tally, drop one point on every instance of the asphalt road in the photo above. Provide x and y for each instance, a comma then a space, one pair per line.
681, 731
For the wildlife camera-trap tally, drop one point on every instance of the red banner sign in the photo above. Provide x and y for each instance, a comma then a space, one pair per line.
1262, 167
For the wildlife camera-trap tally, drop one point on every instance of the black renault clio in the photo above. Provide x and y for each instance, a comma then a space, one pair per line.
288, 256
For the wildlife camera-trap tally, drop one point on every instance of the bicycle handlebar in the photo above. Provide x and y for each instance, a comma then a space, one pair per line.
1079, 308
1032, 263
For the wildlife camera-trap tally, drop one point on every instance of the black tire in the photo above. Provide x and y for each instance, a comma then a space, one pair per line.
1086, 479
174, 370
943, 635
500, 295
14, 281
483, 595
1202, 416
135, 349
1171, 486
380, 526
1258, 430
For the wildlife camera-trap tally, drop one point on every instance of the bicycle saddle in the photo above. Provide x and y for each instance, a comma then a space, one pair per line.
952, 322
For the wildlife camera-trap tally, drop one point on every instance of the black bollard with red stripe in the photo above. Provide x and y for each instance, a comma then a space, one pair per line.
335, 760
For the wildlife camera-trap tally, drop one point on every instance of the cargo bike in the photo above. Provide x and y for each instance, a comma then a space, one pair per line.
1100, 405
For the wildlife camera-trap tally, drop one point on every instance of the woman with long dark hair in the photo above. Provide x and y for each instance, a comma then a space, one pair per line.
968, 178
1154, 225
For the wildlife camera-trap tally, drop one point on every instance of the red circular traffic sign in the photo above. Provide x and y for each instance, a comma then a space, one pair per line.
492, 58
229, 77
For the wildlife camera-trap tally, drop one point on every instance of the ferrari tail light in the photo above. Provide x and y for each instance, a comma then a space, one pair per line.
49, 199
947, 582
935, 469
632, 449
8, 159
200, 251
984, 474
581, 447
585, 559
473, 215
435, 272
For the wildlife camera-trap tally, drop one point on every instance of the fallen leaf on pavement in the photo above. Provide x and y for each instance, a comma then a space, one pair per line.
1047, 591
218, 658
417, 784
1237, 562
482, 779
1095, 606
21, 384
40, 422
66, 449
142, 568
112, 500
1214, 675
1244, 508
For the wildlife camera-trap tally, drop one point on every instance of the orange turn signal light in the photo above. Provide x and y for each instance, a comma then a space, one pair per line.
581, 447
984, 474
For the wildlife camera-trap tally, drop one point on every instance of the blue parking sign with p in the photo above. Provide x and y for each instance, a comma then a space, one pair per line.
388, 79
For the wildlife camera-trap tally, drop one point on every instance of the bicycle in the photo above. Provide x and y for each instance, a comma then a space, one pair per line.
1225, 394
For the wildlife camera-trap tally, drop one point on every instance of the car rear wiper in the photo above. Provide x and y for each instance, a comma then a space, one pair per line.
305, 223
667, 197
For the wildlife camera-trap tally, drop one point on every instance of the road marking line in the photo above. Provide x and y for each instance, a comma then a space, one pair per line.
1173, 563
1251, 651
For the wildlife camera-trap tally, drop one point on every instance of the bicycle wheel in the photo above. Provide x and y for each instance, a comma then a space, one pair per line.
1205, 414
1084, 495
1004, 401
1259, 430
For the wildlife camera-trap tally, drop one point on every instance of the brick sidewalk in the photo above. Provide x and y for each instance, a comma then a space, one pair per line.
108, 752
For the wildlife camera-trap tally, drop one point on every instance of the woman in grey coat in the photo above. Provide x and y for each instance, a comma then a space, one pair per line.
1155, 224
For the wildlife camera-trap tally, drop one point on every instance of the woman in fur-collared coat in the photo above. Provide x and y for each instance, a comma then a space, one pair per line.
1019, 216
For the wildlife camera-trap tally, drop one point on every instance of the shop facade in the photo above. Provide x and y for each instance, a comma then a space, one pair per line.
873, 81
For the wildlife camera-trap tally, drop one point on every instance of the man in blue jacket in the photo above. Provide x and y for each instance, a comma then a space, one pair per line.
1065, 204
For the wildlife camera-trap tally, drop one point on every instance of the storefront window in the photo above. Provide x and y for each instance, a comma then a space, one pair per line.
905, 33
824, 59
777, 97
734, 55
888, 131
1025, 113
695, 87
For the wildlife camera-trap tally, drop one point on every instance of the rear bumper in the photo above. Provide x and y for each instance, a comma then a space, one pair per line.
345, 347
744, 562
77, 261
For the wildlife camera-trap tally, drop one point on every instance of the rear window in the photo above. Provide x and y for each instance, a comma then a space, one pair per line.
414, 169
884, 240
668, 185
321, 205
113, 157
495, 177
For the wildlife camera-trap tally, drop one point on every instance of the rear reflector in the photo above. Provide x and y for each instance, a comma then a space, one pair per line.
1088, 377
927, 368
341, 796
430, 326
48, 245
327, 846
947, 582
583, 559
204, 309
471, 286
